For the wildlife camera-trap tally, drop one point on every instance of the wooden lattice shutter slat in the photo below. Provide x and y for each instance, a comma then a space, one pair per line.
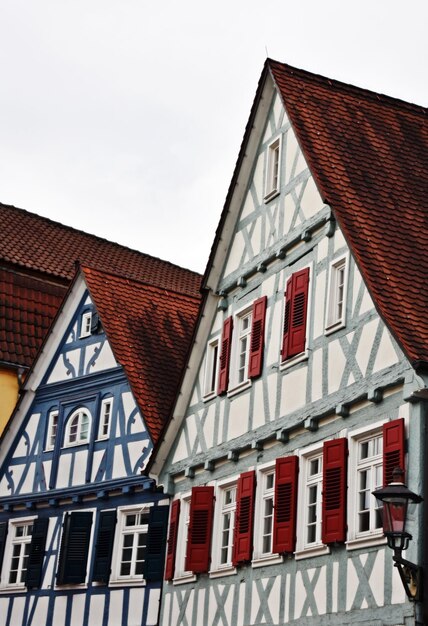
104, 546
200, 529
74, 549
37, 552
3, 535
172, 540
285, 504
226, 346
255, 362
244, 518
393, 448
156, 541
335, 454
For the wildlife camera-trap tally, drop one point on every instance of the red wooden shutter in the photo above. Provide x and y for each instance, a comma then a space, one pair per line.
285, 505
243, 533
287, 309
172, 540
334, 490
393, 448
299, 309
226, 345
296, 309
200, 529
255, 362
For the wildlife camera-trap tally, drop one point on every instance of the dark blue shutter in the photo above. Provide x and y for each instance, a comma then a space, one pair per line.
3, 534
73, 554
104, 546
156, 543
33, 576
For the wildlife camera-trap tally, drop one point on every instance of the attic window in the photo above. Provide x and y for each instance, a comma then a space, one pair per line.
78, 428
273, 169
86, 323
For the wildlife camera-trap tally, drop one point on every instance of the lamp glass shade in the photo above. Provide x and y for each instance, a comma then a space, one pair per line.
395, 515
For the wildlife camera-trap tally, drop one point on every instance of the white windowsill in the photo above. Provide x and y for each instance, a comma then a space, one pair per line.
306, 553
366, 542
269, 559
333, 327
303, 356
209, 396
127, 583
186, 578
227, 570
238, 388
271, 195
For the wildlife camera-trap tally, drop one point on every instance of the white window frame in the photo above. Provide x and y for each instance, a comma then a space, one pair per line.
240, 358
223, 511
106, 411
78, 413
211, 368
263, 493
304, 548
121, 531
11, 541
336, 319
85, 324
373, 536
52, 429
181, 575
273, 170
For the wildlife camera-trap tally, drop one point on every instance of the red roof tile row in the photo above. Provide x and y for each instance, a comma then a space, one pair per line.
149, 329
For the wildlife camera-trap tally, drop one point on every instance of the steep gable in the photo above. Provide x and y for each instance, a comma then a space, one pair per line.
37, 261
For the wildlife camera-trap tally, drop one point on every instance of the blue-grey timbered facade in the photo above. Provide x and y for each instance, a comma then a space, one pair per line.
258, 534
82, 531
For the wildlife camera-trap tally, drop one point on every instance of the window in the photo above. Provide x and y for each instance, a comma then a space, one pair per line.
369, 478
105, 418
52, 430
77, 429
211, 368
311, 527
295, 314
86, 323
20, 549
263, 535
246, 354
225, 526
272, 178
183, 537
242, 347
133, 541
336, 300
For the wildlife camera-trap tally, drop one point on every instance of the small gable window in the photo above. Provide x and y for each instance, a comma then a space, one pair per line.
273, 169
336, 300
86, 324
52, 430
105, 418
78, 428
211, 368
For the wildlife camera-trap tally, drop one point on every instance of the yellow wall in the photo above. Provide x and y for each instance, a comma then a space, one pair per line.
8, 395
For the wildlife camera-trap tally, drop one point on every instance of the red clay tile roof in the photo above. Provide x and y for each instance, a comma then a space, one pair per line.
27, 307
46, 250
149, 329
368, 154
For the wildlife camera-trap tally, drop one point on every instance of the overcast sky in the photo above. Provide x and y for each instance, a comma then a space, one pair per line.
124, 117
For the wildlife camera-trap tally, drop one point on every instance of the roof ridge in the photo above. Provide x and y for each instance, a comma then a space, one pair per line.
91, 235
333, 82
131, 279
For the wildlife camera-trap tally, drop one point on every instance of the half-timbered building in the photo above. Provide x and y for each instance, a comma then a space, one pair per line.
37, 264
82, 529
306, 384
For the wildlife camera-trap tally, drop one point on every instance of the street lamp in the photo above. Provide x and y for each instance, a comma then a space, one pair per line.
395, 499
